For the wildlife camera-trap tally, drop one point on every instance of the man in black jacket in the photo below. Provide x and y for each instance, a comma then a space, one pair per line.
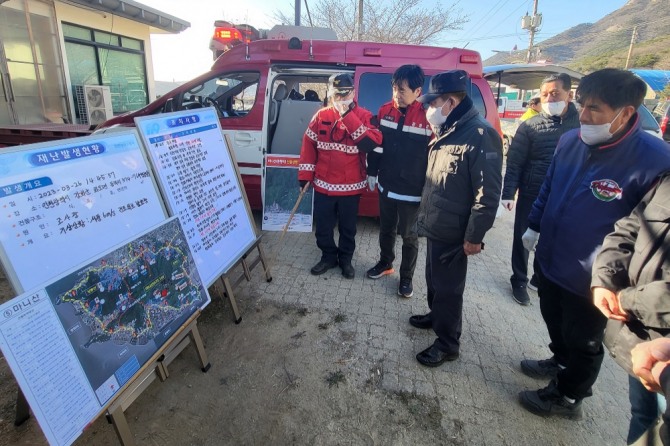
528, 160
631, 286
458, 206
401, 167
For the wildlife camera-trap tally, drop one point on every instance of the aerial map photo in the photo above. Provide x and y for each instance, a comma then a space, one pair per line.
121, 308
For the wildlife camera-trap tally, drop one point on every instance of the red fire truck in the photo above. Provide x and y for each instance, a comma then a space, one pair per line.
266, 90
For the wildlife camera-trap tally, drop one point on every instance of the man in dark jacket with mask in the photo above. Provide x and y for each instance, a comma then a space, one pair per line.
528, 159
598, 175
458, 205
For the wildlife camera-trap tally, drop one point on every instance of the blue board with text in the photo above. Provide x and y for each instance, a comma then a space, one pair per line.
66, 201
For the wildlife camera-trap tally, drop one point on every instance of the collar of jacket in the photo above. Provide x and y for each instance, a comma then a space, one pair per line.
461, 109
413, 106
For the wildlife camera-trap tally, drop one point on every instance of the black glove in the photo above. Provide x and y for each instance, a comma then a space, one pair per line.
302, 183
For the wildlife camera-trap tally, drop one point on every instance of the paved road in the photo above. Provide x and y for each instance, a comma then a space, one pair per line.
249, 396
483, 384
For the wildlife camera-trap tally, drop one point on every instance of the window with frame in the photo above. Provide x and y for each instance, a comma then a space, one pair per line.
233, 95
375, 90
100, 58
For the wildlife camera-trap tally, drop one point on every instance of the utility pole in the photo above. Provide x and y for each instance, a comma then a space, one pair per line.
630, 48
297, 12
360, 20
532, 24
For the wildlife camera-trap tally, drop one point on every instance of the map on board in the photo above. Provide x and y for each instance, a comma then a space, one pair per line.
118, 310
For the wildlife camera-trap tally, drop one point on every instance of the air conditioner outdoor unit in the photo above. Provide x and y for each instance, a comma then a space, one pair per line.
94, 103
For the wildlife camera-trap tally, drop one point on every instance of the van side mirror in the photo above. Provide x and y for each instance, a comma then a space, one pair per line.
169, 105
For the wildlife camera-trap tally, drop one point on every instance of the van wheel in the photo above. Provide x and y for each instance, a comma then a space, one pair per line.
505, 145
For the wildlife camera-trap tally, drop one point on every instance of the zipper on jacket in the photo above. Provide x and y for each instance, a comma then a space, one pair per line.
571, 191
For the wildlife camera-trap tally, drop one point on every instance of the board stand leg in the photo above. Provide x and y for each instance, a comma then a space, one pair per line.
194, 335
22, 409
264, 262
229, 282
228, 290
118, 419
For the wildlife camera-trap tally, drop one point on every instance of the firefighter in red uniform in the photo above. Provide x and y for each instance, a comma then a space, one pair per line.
332, 157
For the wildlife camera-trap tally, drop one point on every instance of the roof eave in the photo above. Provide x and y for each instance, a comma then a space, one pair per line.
131, 10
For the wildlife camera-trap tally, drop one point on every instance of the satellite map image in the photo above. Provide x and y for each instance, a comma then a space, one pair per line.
121, 308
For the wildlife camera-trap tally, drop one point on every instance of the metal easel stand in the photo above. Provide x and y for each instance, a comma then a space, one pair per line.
229, 281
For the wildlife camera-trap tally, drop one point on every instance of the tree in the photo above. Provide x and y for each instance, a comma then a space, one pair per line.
400, 21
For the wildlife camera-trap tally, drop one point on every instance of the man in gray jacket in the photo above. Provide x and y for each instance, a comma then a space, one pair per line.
458, 205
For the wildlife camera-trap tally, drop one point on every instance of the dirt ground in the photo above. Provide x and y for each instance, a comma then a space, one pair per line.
253, 395
329, 361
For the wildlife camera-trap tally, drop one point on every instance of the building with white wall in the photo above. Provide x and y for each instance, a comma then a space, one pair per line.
51, 49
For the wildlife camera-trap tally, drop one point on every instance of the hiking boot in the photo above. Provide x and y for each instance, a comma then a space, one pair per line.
379, 270
550, 401
347, 270
322, 267
544, 368
405, 288
532, 284
520, 295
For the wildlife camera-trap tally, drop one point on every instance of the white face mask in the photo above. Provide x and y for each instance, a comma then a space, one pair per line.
553, 108
343, 104
597, 134
435, 117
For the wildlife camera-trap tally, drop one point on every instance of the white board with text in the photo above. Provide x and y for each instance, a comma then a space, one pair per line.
201, 185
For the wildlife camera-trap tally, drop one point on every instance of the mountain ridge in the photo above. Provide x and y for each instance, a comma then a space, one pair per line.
590, 46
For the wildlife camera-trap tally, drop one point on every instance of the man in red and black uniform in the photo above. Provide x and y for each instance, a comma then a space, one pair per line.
401, 168
332, 157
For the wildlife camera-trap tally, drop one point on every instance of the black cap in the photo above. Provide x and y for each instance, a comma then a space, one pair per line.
448, 82
341, 83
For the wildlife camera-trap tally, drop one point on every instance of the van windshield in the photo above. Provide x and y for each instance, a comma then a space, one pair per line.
232, 94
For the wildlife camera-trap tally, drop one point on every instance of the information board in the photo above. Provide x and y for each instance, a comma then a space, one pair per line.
75, 342
65, 202
200, 182
280, 194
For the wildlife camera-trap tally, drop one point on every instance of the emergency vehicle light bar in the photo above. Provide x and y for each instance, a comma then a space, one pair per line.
226, 34
469, 58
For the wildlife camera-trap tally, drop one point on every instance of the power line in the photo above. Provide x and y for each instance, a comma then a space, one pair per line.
483, 17
492, 15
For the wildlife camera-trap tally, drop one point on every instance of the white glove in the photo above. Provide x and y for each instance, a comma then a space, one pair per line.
529, 239
372, 182
343, 106
508, 204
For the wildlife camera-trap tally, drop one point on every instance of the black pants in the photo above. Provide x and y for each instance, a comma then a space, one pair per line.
329, 210
446, 269
398, 217
519, 253
576, 328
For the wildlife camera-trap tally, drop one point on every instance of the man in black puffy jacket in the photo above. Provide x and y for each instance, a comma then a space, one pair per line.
528, 159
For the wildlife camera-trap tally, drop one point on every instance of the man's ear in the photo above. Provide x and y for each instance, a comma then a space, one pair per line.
628, 112
570, 96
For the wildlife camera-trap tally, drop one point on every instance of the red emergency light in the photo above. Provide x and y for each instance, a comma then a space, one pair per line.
469, 58
227, 34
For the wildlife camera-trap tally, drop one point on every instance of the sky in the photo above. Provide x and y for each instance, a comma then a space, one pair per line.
493, 25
